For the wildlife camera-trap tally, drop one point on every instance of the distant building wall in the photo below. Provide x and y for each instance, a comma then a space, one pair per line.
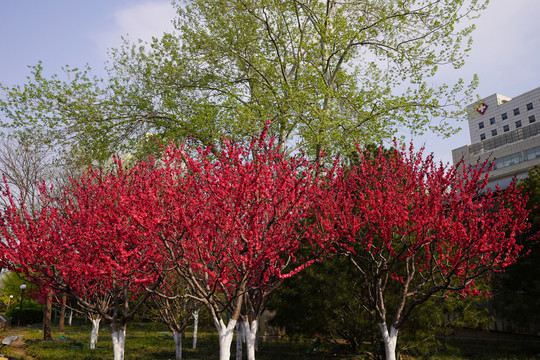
506, 131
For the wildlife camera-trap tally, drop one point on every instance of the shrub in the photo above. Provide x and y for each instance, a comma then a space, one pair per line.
31, 313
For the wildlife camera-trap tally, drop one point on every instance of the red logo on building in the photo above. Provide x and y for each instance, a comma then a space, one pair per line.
482, 108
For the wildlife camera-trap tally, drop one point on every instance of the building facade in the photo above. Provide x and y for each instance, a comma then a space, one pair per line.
506, 131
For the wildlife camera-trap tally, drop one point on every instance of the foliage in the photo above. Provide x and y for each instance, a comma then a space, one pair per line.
325, 301
227, 224
92, 212
250, 206
10, 285
31, 313
327, 73
328, 301
516, 290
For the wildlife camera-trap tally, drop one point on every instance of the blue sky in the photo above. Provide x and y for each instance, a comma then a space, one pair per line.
505, 55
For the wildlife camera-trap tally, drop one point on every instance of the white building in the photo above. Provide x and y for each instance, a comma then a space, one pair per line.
504, 130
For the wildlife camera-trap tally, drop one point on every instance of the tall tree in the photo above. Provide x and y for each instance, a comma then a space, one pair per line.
413, 229
327, 73
24, 164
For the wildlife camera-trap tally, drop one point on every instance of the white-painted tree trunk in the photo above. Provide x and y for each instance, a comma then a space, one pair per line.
178, 345
70, 318
94, 333
240, 338
250, 331
119, 342
195, 327
225, 333
390, 341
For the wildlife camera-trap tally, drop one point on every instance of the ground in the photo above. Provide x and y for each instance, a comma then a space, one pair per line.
17, 349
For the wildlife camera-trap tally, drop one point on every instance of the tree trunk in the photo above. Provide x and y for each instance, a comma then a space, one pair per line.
95, 331
250, 331
240, 338
178, 345
225, 337
62, 313
195, 327
47, 334
390, 341
70, 318
119, 340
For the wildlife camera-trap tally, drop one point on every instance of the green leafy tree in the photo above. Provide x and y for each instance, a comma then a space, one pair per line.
10, 285
325, 301
326, 72
328, 302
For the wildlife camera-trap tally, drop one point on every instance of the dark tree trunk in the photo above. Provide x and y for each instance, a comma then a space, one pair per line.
47, 334
62, 313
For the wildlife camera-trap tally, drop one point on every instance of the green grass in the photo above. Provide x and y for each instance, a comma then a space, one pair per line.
150, 341
145, 341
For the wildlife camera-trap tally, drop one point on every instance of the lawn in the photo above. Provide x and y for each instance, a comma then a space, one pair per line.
151, 341
144, 341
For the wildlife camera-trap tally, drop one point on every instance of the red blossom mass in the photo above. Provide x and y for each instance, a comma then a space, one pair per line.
232, 224
235, 221
86, 242
87, 236
405, 220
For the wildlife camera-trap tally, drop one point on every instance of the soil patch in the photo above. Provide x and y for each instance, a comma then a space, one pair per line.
17, 349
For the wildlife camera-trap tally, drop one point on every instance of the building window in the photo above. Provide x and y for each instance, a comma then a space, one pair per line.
506, 128
509, 160
481, 125
482, 136
504, 116
492, 121
494, 132
530, 106
516, 111
532, 119
518, 124
532, 154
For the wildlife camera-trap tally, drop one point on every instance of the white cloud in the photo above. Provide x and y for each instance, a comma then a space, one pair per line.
142, 21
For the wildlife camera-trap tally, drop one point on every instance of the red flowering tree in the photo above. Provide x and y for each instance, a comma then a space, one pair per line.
233, 227
415, 229
86, 243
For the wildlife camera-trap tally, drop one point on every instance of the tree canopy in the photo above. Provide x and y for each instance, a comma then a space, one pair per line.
326, 73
